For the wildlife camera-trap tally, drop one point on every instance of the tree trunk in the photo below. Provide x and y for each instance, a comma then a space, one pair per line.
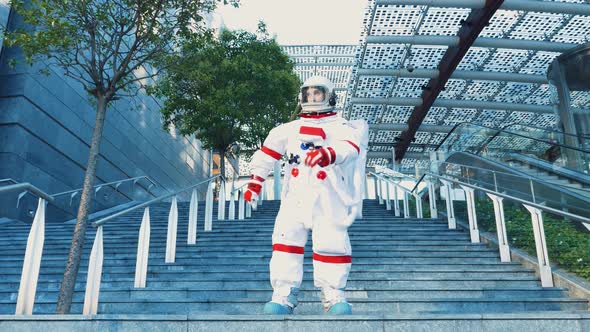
222, 162
66, 291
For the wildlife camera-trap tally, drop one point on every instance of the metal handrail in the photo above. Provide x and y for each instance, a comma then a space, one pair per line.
547, 130
8, 180
25, 186
382, 175
399, 174
238, 188
102, 221
523, 201
513, 175
498, 131
108, 184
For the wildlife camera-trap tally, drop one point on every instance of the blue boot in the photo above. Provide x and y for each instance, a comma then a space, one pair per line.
340, 308
281, 304
273, 308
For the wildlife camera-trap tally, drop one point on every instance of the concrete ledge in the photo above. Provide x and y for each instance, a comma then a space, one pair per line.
576, 286
532, 321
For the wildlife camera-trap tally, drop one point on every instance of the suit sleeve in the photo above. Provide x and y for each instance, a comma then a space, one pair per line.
273, 149
347, 147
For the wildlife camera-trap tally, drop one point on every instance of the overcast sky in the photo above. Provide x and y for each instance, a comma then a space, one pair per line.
300, 22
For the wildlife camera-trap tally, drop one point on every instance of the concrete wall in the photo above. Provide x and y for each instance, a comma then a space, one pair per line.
46, 123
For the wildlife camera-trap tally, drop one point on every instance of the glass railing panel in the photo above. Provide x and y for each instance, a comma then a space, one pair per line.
537, 190
557, 155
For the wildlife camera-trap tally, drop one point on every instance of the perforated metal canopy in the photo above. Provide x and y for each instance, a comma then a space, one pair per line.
500, 81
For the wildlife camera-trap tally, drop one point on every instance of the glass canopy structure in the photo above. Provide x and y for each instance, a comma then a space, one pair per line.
501, 80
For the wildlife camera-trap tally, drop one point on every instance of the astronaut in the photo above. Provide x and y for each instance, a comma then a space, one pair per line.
318, 194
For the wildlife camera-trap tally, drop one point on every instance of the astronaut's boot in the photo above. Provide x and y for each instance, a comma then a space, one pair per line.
282, 304
334, 302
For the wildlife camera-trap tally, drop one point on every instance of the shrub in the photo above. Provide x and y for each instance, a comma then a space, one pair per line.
568, 246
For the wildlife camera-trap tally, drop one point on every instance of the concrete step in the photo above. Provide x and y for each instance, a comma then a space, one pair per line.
360, 306
126, 261
159, 265
353, 282
449, 322
246, 226
266, 245
359, 248
206, 275
194, 293
368, 256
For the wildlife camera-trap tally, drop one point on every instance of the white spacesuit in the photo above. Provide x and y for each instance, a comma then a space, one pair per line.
319, 193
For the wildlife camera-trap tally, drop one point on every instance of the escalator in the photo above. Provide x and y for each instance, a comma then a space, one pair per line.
525, 162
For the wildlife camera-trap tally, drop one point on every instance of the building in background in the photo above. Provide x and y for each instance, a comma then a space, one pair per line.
46, 124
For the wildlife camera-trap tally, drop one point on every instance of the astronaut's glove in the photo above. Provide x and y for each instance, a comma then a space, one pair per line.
253, 190
320, 156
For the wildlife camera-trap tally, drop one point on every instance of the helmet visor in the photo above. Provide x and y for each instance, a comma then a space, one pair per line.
313, 94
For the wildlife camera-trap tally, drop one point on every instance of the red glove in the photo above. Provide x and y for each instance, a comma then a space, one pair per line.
253, 190
321, 156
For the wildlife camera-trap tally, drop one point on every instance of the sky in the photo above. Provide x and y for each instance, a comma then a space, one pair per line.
300, 22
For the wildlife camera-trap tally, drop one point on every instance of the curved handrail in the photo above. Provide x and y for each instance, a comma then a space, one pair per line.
238, 188
108, 184
102, 221
400, 175
8, 180
382, 176
25, 186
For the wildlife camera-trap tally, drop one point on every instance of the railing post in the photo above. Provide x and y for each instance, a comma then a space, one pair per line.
265, 184
432, 200
375, 187
209, 208
419, 212
387, 199
501, 227
241, 203
449, 200
192, 219
94, 275
143, 249
380, 191
277, 180
262, 195
248, 210
32, 262
366, 193
406, 205
221, 201
232, 206
541, 244
471, 214
172, 228
395, 200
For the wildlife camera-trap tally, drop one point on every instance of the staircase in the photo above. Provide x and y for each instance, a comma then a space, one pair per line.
407, 274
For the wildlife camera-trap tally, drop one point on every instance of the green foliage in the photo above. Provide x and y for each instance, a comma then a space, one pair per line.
228, 89
568, 246
104, 45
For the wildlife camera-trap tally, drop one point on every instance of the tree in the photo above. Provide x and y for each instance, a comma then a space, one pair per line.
109, 48
228, 89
